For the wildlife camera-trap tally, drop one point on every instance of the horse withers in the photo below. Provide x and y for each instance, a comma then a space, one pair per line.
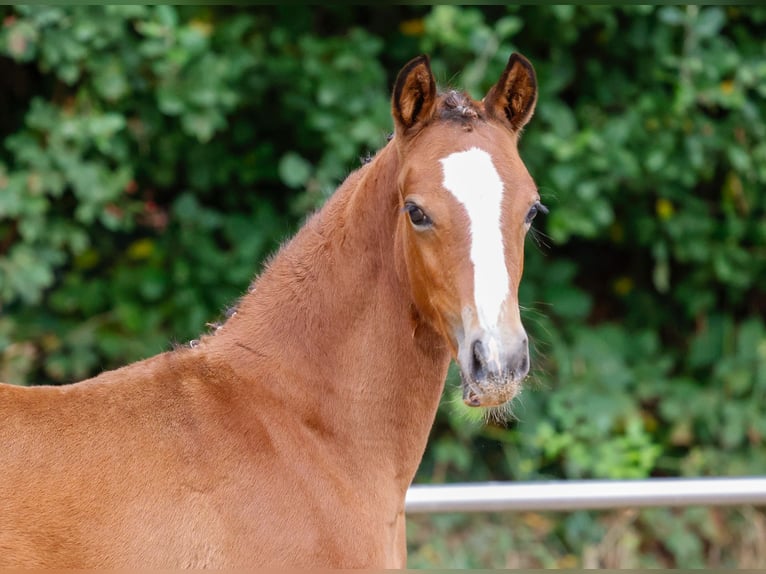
289, 436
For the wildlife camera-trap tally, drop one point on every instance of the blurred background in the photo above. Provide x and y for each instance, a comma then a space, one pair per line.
151, 157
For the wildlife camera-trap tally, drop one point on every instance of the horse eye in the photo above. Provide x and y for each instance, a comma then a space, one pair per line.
534, 210
418, 217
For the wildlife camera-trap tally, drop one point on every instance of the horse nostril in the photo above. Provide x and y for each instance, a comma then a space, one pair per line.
521, 367
478, 358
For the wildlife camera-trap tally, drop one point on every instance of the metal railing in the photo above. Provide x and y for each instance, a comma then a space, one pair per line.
585, 494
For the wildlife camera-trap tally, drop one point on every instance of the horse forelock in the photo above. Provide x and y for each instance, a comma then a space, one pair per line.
456, 105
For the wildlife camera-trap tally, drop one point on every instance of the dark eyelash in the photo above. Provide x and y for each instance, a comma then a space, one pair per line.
534, 210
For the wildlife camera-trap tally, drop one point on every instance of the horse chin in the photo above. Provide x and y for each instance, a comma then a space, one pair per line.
494, 392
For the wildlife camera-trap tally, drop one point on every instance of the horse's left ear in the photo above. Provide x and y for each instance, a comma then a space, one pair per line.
514, 96
414, 95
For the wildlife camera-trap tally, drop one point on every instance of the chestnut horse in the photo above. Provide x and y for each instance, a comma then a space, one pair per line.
289, 436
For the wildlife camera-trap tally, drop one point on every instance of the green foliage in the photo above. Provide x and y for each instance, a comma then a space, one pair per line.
112, 220
152, 156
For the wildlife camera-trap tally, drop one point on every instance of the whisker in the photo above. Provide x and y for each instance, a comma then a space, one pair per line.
538, 236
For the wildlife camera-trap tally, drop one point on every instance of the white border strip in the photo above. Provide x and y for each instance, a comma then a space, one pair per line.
585, 494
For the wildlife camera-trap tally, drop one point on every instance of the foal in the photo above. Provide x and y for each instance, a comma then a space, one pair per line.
289, 437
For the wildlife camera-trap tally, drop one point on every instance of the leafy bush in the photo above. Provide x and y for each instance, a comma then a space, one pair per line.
153, 156
117, 237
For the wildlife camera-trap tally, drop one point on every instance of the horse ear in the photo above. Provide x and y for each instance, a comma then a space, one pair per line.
514, 96
414, 94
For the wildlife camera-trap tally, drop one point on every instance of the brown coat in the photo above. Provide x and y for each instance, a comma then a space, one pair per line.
289, 436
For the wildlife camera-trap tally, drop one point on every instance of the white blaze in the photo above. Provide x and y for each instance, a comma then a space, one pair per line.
472, 178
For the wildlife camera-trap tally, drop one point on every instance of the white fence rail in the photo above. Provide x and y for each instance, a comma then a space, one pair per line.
585, 494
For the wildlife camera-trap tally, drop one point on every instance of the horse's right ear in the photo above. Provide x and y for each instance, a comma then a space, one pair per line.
414, 95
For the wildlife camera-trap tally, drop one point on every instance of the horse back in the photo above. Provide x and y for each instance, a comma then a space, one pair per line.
72, 490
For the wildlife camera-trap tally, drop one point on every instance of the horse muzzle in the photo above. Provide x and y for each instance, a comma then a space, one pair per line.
492, 373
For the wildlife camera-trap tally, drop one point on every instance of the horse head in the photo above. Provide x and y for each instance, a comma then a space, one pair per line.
466, 204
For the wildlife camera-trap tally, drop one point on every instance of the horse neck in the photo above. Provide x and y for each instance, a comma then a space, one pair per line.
329, 334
